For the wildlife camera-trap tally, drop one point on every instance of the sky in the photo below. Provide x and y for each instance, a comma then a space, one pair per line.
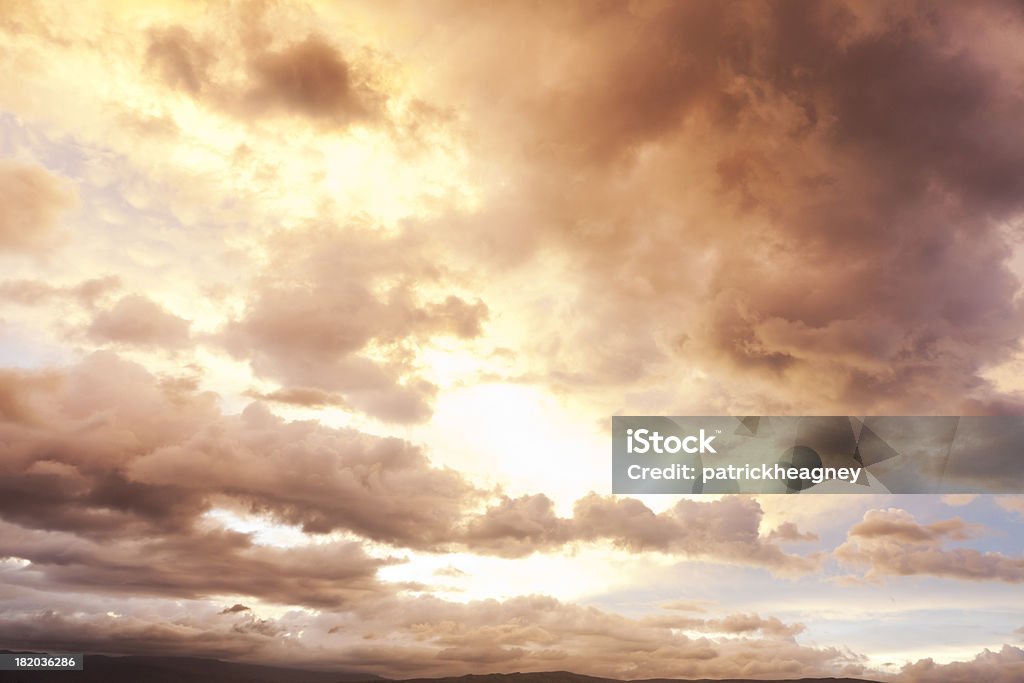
313, 317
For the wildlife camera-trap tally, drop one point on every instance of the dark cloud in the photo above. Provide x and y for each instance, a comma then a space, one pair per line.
105, 633
109, 474
237, 607
116, 448
193, 564
181, 59
809, 204
309, 78
33, 200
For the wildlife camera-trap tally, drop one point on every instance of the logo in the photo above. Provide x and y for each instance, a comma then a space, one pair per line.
646, 441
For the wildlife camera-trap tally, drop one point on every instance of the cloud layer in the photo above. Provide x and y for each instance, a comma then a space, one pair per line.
892, 542
33, 200
267, 266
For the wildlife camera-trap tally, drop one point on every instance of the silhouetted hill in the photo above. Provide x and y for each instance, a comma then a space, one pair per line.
105, 669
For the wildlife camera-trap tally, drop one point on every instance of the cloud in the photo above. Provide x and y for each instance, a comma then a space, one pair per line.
724, 530
127, 635
749, 623
403, 636
788, 532
727, 529
959, 499
328, 300
516, 527
733, 624
192, 564
807, 206
182, 61
240, 71
138, 320
1003, 666
237, 607
899, 525
310, 78
16, 388
301, 397
33, 201
537, 633
35, 292
121, 470
109, 475
892, 543
321, 479
701, 207
1014, 504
